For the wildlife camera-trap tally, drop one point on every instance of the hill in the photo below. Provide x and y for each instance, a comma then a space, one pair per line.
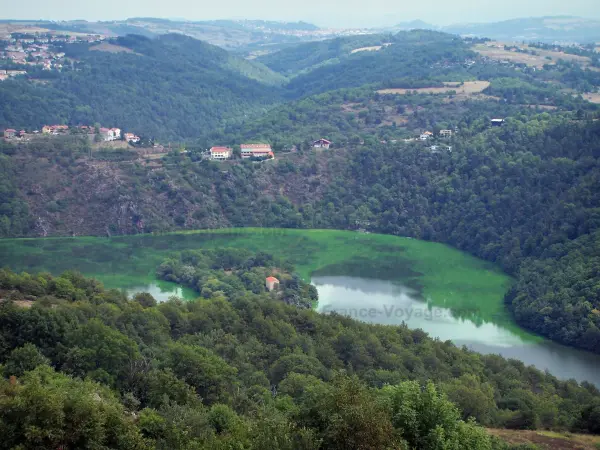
520, 195
234, 35
169, 88
564, 29
298, 58
352, 62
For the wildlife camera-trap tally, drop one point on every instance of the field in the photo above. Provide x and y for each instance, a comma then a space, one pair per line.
495, 50
111, 48
374, 48
548, 440
445, 276
594, 98
467, 88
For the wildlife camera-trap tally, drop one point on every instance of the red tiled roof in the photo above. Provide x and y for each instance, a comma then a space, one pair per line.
220, 149
323, 140
255, 146
10, 130
272, 279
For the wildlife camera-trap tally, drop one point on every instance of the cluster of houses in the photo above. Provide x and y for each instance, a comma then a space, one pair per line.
263, 151
10, 133
427, 135
106, 134
38, 49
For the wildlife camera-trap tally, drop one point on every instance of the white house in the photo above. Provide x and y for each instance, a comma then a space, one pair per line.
446, 133
220, 153
426, 135
107, 134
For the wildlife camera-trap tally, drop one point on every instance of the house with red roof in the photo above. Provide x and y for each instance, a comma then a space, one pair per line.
426, 135
220, 153
321, 143
257, 151
55, 129
132, 138
9, 133
271, 283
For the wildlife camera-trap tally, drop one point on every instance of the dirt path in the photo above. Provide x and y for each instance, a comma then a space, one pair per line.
468, 88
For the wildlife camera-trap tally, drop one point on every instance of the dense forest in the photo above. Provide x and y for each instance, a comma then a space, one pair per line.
418, 54
86, 367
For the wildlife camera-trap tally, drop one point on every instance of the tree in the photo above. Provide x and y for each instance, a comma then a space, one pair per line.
51, 410
145, 299
475, 399
352, 419
427, 420
24, 359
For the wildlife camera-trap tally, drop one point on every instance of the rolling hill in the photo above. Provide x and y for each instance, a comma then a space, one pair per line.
171, 87
351, 62
544, 29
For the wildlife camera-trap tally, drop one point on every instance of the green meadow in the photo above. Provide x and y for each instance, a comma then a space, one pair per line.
445, 277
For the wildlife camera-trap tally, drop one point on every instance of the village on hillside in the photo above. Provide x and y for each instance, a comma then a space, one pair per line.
36, 48
100, 134
433, 141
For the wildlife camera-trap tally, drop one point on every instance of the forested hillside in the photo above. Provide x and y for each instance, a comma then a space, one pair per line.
523, 195
418, 54
84, 367
303, 57
172, 87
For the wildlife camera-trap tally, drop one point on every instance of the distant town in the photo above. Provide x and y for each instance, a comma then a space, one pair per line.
39, 49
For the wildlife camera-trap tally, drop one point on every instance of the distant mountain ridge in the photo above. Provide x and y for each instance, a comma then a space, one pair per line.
550, 29
545, 29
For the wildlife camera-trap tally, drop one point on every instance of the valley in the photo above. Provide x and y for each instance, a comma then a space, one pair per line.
369, 277
291, 237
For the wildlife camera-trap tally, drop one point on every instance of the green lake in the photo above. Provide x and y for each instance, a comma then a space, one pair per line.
374, 278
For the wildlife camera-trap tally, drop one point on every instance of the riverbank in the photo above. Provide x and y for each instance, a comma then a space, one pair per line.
445, 276
467, 292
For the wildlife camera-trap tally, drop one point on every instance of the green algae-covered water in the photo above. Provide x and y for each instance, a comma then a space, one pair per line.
373, 278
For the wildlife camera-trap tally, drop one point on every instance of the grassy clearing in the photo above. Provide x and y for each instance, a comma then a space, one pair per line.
495, 50
594, 98
447, 277
468, 88
112, 48
550, 440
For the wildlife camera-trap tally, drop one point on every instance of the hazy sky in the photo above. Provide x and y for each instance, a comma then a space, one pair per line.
337, 13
